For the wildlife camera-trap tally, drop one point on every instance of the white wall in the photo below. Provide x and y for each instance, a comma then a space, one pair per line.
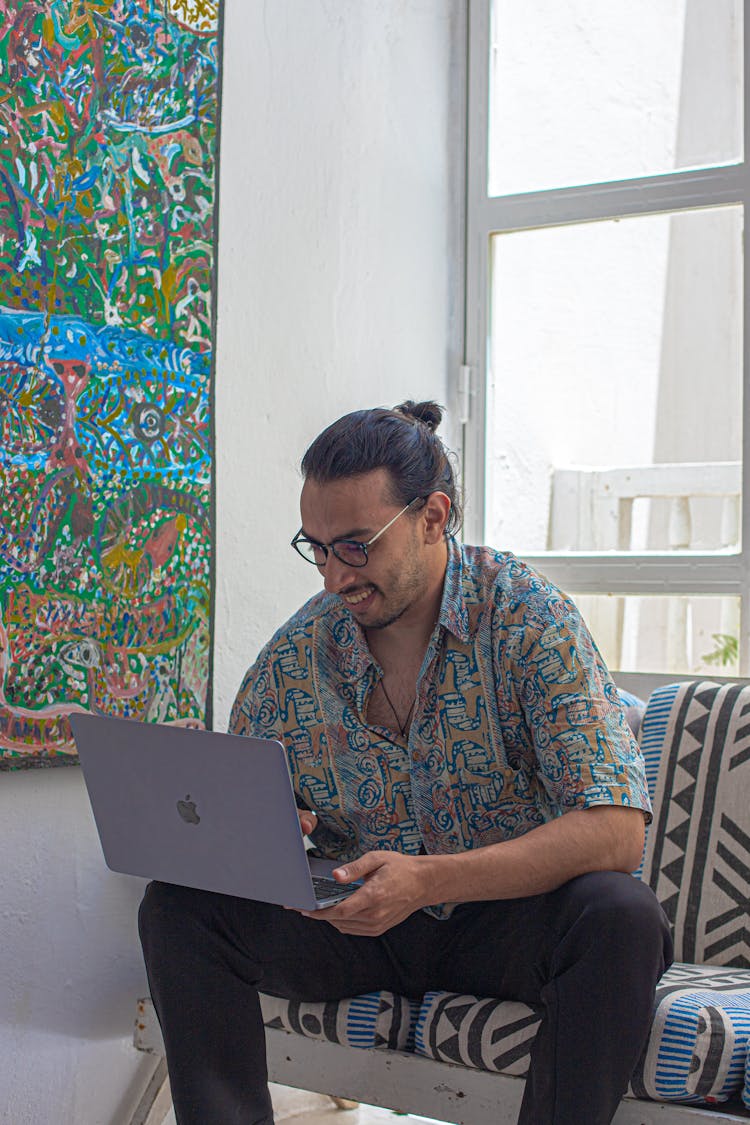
339, 220
340, 184
69, 969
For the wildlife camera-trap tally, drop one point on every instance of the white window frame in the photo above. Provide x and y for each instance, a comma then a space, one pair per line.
725, 575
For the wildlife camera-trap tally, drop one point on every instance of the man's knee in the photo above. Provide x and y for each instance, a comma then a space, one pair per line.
170, 918
164, 905
622, 913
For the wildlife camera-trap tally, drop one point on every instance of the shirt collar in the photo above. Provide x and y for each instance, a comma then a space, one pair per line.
454, 609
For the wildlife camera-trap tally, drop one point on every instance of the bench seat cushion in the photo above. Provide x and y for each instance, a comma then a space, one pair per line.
696, 1052
378, 1019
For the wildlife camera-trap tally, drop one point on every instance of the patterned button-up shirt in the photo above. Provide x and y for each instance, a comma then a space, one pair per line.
516, 718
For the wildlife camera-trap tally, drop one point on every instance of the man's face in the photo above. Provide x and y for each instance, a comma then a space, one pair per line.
396, 577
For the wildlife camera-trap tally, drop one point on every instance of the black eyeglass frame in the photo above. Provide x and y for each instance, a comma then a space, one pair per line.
356, 543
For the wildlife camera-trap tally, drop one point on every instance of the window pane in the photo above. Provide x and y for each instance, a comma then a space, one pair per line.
681, 635
615, 402
593, 90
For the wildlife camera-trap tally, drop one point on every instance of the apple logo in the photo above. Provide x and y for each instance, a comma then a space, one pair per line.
186, 809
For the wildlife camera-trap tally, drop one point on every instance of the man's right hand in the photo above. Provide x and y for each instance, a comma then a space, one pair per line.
308, 821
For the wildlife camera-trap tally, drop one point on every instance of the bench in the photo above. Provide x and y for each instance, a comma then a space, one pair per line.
463, 1059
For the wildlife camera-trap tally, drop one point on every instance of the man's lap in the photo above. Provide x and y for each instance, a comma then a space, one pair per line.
500, 948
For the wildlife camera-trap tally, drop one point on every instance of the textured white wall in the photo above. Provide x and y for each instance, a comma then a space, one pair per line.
338, 225
339, 216
69, 967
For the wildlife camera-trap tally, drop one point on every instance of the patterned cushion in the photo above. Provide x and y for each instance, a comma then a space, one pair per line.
696, 1051
379, 1019
696, 741
484, 1034
746, 1091
699, 1038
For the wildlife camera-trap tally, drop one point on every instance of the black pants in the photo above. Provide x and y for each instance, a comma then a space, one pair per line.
590, 953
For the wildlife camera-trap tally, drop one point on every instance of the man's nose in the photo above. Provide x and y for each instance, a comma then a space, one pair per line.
335, 573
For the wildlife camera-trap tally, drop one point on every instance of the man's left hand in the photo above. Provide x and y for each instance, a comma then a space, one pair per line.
395, 885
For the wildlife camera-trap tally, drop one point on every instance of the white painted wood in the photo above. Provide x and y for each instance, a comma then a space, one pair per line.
476, 314
147, 1032
395, 1079
685, 478
643, 683
157, 1100
591, 509
412, 1084
676, 191
603, 573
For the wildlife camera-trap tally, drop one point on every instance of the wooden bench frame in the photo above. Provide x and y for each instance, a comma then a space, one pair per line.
409, 1083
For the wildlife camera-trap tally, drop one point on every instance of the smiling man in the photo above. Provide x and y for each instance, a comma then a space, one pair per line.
455, 742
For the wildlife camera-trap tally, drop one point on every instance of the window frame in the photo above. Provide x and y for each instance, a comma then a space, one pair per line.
692, 573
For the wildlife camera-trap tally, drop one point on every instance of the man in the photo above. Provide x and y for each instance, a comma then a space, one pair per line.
456, 742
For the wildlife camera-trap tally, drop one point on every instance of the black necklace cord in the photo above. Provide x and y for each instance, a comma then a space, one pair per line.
403, 727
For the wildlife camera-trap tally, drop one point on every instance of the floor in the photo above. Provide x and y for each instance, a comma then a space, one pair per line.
315, 1109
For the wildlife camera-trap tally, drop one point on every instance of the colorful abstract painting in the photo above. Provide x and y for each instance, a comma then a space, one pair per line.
108, 125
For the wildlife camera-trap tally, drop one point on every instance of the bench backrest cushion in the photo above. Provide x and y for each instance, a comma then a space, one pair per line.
695, 738
634, 708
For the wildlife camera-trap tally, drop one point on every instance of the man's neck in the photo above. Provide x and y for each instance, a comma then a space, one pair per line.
410, 634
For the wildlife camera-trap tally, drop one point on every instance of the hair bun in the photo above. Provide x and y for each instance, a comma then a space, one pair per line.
428, 413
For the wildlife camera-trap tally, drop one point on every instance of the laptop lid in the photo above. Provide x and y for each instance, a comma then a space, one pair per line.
200, 808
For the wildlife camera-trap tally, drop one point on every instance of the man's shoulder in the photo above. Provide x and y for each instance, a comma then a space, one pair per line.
502, 578
320, 607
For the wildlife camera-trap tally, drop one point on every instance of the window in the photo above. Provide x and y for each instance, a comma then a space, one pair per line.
606, 294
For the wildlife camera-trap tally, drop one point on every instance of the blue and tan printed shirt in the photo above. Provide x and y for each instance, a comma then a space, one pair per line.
516, 718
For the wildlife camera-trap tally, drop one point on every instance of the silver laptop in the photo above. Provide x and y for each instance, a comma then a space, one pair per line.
202, 809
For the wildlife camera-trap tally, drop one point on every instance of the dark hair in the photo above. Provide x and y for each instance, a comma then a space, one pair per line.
402, 440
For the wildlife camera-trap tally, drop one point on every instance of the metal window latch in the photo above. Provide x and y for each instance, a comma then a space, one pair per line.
465, 393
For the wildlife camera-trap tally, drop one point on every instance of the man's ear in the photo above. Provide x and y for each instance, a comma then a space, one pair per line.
435, 514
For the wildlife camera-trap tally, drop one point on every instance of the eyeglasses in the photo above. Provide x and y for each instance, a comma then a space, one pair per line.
348, 551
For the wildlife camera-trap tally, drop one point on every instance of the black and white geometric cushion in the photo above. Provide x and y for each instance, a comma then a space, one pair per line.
695, 738
378, 1019
696, 1051
699, 1038
485, 1034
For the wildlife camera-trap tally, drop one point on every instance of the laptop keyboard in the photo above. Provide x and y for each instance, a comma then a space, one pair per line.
327, 888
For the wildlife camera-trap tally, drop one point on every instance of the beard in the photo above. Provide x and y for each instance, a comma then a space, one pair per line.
387, 619
407, 584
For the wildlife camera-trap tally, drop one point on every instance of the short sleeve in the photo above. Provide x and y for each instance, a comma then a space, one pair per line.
585, 750
255, 712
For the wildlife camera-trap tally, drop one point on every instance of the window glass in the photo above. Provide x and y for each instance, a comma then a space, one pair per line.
680, 635
615, 397
598, 90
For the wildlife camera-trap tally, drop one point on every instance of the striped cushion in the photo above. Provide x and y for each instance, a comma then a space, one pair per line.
379, 1019
699, 1037
696, 1051
746, 1091
695, 738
